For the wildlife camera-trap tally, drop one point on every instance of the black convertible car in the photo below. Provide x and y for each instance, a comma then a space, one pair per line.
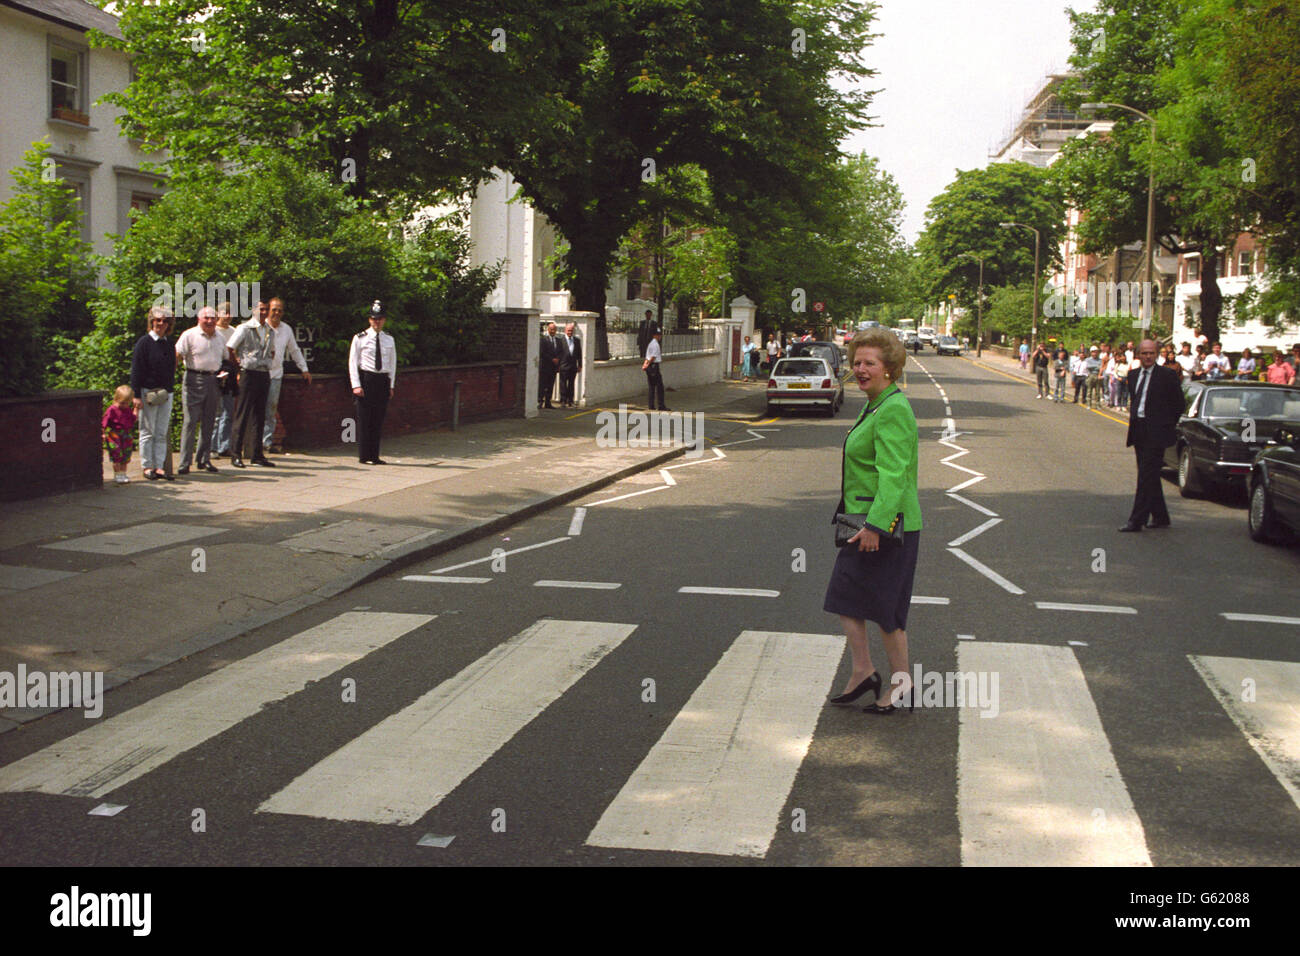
1225, 426
1275, 490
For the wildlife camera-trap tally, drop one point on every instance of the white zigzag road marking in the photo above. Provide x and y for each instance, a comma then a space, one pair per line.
948, 434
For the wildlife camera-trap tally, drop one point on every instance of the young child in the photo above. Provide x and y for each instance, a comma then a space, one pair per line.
119, 422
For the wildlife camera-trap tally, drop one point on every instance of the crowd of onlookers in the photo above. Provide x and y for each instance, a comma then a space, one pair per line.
1098, 375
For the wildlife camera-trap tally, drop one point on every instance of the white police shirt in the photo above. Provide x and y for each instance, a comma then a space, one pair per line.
361, 356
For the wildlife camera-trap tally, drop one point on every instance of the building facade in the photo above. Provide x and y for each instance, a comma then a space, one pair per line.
51, 80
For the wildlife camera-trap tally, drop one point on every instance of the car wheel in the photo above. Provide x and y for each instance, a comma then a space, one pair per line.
1259, 516
1189, 480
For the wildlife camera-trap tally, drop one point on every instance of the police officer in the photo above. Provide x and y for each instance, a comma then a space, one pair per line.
372, 365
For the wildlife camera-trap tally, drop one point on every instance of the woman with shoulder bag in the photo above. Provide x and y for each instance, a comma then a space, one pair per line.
878, 522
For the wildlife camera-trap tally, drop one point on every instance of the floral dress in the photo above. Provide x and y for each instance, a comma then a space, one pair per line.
118, 425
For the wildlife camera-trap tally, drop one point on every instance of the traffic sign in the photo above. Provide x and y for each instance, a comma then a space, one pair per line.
819, 306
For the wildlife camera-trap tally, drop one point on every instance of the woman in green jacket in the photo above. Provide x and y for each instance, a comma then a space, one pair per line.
872, 579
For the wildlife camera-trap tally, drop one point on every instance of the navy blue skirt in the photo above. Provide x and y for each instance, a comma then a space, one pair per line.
874, 585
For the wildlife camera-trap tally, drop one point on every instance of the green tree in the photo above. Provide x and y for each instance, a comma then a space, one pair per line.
46, 273
747, 91
1166, 58
965, 218
300, 237
396, 99
1261, 82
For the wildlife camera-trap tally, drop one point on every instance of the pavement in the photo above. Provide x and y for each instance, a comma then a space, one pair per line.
1008, 366
129, 578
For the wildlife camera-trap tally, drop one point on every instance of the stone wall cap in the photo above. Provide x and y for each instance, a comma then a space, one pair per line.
57, 395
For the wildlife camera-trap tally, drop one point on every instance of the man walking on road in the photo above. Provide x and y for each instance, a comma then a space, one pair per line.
1157, 401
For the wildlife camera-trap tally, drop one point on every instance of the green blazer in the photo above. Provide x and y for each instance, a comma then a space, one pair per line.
878, 474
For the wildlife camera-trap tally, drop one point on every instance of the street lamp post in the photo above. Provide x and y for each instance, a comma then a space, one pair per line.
979, 304
1033, 333
1148, 293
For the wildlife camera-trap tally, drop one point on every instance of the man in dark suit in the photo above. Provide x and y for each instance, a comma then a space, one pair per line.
1155, 406
570, 362
548, 365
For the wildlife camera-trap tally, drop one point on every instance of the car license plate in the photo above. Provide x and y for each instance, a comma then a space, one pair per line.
798, 385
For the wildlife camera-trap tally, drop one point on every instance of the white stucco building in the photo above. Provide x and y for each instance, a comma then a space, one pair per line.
50, 80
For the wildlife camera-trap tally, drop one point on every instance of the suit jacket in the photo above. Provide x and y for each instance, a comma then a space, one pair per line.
570, 361
1164, 406
546, 353
879, 469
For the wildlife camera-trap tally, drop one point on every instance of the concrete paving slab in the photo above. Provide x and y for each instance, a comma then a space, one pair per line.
358, 538
16, 578
133, 540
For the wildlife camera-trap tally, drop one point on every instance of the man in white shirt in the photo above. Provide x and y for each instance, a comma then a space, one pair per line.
372, 368
251, 346
1217, 365
286, 344
200, 349
653, 372
1186, 359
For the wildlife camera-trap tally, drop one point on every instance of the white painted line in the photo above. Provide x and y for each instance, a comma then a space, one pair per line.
493, 557
718, 778
735, 592
969, 471
966, 484
1077, 643
1261, 618
107, 810
1087, 608
956, 454
444, 579
718, 456
947, 410
575, 524
405, 765
919, 599
119, 749
974, 532
1037, 785
988, 572
591, 585
605, 501
965, 637
1270, 722
668, 479
970, 504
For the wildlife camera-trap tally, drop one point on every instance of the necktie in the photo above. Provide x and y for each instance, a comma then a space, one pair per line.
379, 355
1142, 393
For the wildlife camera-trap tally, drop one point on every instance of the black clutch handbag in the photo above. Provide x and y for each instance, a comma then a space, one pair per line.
848, 525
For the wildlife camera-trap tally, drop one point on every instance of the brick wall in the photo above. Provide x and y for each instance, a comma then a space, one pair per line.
50, 444
311, 416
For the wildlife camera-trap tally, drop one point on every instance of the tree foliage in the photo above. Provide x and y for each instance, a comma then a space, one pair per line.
46, 273
300, 237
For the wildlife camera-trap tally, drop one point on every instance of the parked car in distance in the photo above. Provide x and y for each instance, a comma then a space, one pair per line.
1274, 489
947, 345
926, 335
804, 383
829, 351
1226, 424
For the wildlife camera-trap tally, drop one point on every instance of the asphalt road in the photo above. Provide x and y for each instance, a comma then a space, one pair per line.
677, 727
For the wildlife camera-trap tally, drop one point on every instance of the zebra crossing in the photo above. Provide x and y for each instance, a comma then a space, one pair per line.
1036, 785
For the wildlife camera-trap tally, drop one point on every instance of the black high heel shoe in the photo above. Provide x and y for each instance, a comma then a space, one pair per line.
890, 708
869, 683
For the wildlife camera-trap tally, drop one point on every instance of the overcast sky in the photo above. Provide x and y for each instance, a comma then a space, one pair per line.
954, 76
